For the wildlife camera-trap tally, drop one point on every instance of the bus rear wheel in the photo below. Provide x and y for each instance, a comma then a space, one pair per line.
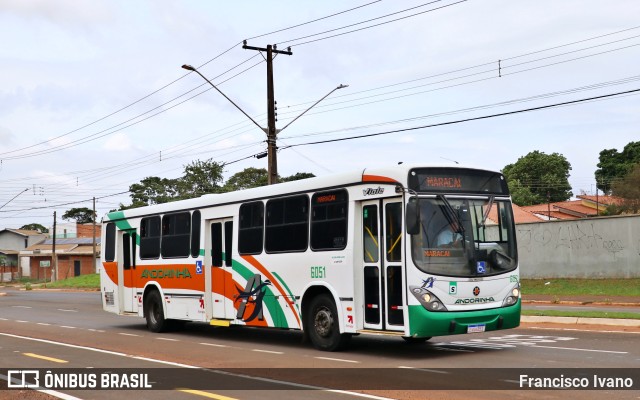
154, 313
322, 325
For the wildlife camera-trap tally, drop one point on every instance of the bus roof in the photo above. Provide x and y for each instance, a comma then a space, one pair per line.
396, 174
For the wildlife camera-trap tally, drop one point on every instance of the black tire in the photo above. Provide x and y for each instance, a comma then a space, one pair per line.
154, 313
415, 340
322, 325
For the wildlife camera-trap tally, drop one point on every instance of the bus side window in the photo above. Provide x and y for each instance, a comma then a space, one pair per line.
329, 220
150, 237
228, 243
287, 224
195, 234
251, 230
110, 245
176, 235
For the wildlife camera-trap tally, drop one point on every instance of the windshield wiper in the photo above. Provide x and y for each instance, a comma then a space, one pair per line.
486, 212
451, 214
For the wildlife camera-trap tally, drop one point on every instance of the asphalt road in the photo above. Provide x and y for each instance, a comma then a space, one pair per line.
53, 330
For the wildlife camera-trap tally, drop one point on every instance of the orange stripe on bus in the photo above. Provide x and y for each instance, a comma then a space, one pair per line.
377, 178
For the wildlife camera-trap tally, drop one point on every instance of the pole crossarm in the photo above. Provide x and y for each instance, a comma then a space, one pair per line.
274, 49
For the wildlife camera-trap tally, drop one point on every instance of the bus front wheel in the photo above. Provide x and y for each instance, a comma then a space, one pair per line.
154, 313
322, 325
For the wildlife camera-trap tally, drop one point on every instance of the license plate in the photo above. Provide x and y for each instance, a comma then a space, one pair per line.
475, 328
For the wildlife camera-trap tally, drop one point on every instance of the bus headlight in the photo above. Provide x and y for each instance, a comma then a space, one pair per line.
427, 299
513, 297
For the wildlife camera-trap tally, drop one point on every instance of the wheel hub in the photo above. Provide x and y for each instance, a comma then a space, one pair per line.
323, 322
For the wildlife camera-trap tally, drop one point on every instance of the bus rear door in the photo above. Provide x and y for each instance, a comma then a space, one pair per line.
219, 262
126, 268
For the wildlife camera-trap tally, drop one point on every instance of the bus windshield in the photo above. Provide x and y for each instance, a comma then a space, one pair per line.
464, 237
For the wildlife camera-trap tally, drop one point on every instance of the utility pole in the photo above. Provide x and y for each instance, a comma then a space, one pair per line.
271, 110
93, 243
271, 130
54, 259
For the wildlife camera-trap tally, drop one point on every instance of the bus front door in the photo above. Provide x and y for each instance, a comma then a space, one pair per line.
220, 240
382, 264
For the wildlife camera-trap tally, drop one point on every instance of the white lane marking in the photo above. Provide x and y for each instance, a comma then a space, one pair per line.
95, 330
21, 321
115, 353
337, 359
62, 309
21, 307
460, 350
128, 334
268, 351
3, 319
68, 327
43, 324
168, 339
214, 345
580, 330
435, 371
572, 348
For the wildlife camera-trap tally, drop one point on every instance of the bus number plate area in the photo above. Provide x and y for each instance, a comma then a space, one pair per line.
475, 328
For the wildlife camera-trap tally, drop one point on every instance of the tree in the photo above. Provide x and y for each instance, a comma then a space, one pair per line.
35, 227
628, 189
82, 215
200, 178
255, 177
538, 178
297, 176
616, 165
247, 178
152, 190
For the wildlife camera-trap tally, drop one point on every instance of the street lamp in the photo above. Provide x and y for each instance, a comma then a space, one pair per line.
190, 68
271, 136
341, 86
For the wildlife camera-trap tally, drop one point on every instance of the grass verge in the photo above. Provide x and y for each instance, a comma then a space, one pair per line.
91, 281
580, 287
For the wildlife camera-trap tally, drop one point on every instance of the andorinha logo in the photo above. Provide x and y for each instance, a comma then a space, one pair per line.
166, 273
475, 301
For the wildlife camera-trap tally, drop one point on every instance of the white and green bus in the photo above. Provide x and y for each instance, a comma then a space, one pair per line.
409, 251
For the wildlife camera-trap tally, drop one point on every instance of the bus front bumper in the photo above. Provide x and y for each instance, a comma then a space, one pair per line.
424, 323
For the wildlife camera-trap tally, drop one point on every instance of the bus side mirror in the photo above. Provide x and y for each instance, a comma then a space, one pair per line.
412, 217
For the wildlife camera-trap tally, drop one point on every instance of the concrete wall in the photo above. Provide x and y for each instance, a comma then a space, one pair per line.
603, 247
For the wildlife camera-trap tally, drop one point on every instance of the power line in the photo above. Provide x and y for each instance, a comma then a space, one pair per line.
464, 120
178, 79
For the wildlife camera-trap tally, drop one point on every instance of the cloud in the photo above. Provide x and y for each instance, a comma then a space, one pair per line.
59, 12
118, 142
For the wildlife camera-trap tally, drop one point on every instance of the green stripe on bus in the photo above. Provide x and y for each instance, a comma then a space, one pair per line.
274, 307
287, 289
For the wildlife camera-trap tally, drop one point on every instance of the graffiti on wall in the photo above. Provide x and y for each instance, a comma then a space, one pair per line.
576, 237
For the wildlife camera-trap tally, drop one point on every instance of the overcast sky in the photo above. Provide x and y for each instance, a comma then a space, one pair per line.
93, 99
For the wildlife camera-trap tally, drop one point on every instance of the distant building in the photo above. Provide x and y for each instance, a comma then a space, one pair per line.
73, 253
585, 207
12, 241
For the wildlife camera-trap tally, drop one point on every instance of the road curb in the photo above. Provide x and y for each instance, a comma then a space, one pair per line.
582, 321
